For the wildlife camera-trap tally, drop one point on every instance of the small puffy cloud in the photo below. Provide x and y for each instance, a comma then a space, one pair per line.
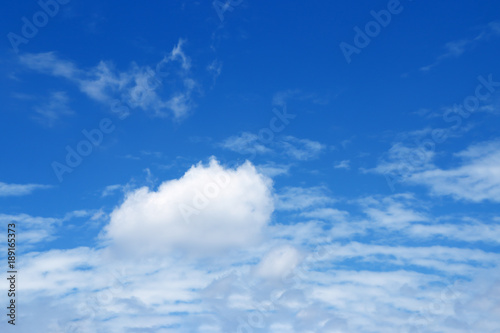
209, 208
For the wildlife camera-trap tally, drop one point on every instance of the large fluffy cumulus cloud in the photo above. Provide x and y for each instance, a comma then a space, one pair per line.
209, 208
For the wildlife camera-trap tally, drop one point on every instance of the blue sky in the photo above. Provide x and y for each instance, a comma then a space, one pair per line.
187, 166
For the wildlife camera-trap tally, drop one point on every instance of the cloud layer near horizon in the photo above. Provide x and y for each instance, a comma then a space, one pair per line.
216, 259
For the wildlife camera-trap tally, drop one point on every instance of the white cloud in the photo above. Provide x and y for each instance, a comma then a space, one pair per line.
273, 169
302, 149
34, 229
298, 198
320, 295
178, 54
288, 146
215, 68
455, 49
37, 229
394, 212
139, 87
327, 214
49, 63
8, 190
295, 280
402, 160
278, 263
58, 271
477, 179
345, 164
210, 207
246, 143
111, 189
459, 261
469, 232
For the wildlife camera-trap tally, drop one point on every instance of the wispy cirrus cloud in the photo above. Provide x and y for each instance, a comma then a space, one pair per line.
302, 149
299, 198
476, 179
111, 189
35, 229
468, 231
140, 87
392, 212
246, 143
455, 49
12, 190
38, 229
289, 146
344, 164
